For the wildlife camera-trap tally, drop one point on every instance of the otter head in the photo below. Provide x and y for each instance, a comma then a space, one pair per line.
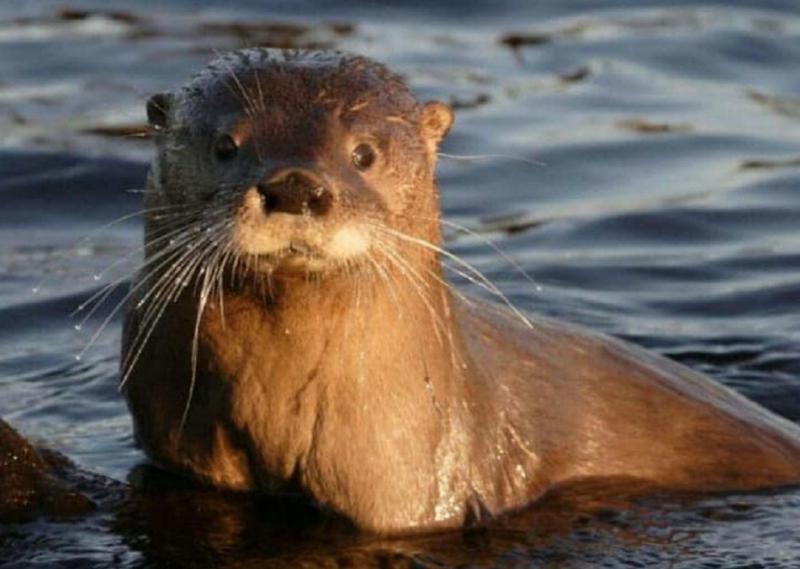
297, 160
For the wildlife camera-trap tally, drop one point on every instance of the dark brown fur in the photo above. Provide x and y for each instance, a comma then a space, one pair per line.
380, 394
27, 486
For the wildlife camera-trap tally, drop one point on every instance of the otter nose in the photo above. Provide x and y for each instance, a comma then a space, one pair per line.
297, 192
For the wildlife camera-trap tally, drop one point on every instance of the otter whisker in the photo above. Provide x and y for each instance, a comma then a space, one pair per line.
179, 260
219, 262
218, 237
203, 300
454, 289
113, 312
443, 281
237, 261
491, 157
148, 322
166, 291
478, 274
383, 275
201, 305
223, 259
203, 256
381, 271
178, 255
94, 233
409, 272
262, 106
270, 285
173, 239
508, 258
100, 296
398, 257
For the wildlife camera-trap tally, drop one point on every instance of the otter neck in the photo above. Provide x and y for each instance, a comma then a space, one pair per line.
381, 298
375, 323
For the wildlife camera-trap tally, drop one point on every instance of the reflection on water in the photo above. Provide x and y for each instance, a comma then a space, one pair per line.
638, 159
162, 521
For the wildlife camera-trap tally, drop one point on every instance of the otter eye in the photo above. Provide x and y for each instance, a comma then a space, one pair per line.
363, 156
225, 148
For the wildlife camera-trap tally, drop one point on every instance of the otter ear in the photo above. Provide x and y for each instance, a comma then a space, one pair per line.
437, 118
158, 110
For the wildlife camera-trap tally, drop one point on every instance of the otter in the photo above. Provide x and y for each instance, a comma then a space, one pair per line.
292, 330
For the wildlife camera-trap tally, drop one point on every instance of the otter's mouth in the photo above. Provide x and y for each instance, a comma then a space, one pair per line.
345, 247
293, 252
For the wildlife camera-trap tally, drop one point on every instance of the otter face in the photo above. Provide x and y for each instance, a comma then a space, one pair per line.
299, 158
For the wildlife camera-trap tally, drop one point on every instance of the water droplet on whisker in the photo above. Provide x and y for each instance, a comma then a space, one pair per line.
77, 327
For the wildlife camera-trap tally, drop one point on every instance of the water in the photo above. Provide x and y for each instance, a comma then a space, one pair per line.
649, 184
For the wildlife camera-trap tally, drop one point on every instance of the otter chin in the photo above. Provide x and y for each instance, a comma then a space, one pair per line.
291, 328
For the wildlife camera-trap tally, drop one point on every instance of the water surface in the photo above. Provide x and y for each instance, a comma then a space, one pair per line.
649, 181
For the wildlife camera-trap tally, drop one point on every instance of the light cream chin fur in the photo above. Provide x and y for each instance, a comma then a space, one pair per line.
348, 242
